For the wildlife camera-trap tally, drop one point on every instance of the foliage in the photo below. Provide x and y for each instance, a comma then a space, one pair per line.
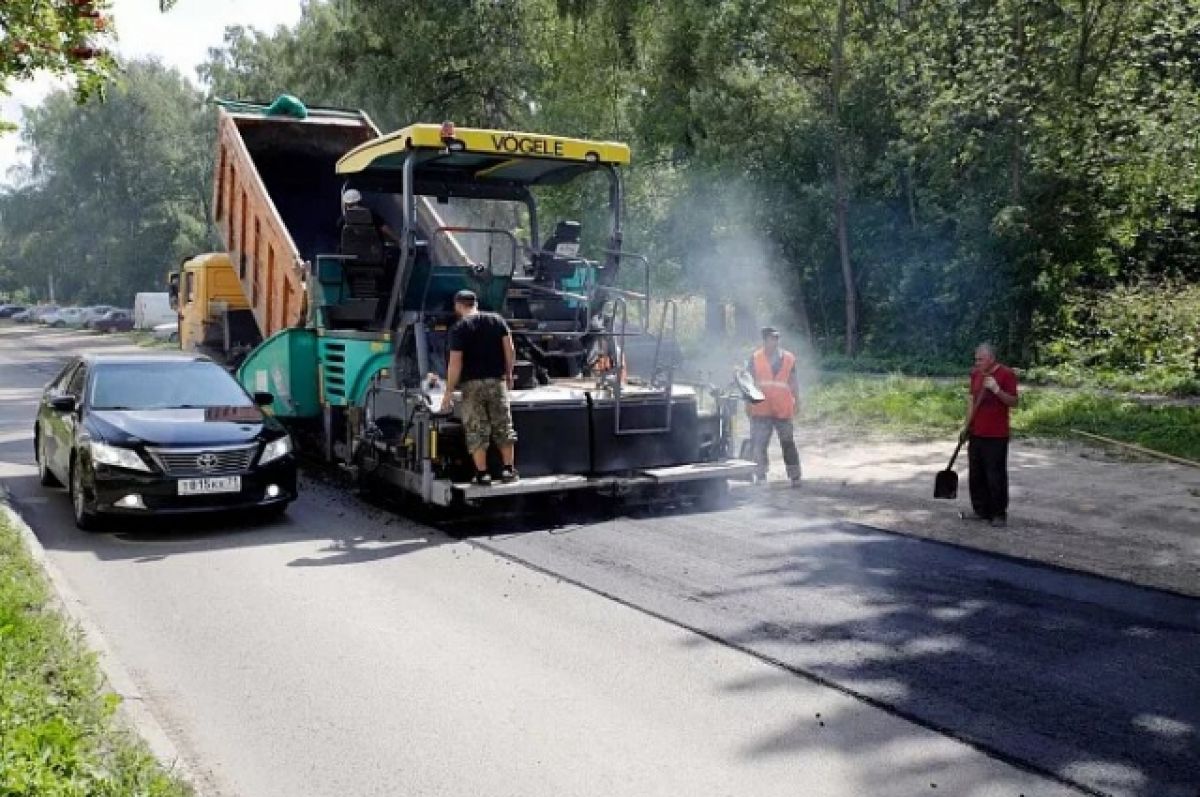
895, 179
117, 191
926, 409
911, 365
1142, 337
1131, 328
60, 37
57, 726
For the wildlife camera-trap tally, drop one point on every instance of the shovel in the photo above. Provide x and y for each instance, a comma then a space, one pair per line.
946, 483
751, 394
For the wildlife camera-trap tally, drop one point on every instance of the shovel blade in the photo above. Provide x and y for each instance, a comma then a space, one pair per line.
946, 485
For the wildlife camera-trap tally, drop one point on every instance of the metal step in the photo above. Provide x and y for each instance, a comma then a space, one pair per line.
538, 484
678, 474
697, 471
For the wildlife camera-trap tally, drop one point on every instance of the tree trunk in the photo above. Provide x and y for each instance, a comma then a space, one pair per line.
910, 193
1015, 152
714, 315
802, 320
839, 183
744, 323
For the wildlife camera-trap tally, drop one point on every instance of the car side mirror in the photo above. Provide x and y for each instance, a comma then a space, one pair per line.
264, 399
63, 404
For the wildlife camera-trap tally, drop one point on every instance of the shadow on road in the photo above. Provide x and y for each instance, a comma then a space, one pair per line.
350, 532
1095, 697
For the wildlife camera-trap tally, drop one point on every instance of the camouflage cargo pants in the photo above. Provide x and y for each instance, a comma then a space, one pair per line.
486, 414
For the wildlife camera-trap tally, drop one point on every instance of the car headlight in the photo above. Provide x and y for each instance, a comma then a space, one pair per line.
117, 457
276, 449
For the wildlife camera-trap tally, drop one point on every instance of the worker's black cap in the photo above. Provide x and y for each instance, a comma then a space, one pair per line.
770, 332
466, 297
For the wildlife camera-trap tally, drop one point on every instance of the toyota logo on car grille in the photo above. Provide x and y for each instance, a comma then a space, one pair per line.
206, 462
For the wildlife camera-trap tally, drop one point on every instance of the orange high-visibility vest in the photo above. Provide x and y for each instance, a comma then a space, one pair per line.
604, 364
780, 403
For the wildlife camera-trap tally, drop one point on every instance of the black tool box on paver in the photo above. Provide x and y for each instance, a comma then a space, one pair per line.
613, 453
552, 436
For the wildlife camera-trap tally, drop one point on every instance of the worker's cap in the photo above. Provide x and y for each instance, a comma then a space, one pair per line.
770, 332
465, 297
351, 197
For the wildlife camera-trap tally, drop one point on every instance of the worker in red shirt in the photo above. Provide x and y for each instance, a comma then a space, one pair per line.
993, 395
774, 370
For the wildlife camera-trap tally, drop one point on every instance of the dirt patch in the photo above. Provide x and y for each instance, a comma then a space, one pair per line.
1072, 505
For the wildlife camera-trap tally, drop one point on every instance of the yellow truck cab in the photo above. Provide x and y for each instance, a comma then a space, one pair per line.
214, 315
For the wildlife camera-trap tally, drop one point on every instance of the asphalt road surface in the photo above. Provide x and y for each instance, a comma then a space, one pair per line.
750, 651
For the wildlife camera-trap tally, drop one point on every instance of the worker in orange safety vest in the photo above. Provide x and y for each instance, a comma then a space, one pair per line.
600, 359
774, 371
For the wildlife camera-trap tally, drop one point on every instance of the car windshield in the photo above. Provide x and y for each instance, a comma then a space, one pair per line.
164, 385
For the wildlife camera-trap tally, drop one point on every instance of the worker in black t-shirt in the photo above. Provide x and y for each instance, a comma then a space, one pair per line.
482, 357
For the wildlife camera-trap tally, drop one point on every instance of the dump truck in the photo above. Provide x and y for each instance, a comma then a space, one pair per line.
214, 314
355, 322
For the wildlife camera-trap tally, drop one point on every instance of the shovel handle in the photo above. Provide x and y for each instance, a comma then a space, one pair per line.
966, 426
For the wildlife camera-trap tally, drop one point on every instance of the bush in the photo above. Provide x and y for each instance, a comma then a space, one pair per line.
915, 365
1145, 336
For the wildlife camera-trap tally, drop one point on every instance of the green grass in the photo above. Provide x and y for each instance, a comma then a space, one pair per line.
147, 340
924, 409
58, 733
1164, 381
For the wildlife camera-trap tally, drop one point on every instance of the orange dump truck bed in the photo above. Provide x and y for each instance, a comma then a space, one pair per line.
276, 200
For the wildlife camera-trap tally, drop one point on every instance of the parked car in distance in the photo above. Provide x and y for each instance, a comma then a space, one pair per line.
10, 310
95, 313
64, 317
113, 321
166, 331
160, 434
35, 314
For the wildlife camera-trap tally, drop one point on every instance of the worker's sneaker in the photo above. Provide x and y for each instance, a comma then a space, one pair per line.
1000, 522
508, 474
795, 482
482, 479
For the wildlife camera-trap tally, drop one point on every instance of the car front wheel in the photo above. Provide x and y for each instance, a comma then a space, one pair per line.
85, 519
45, 476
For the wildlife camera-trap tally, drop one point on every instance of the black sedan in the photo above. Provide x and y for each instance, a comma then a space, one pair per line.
146, 435
113, 321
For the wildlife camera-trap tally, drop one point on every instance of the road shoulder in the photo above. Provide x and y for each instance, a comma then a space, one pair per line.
133, 709
1073, 505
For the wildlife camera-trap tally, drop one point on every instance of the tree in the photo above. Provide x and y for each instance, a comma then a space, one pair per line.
116, 191
902, 177
62, 37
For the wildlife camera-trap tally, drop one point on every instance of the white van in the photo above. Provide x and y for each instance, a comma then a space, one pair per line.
152, 309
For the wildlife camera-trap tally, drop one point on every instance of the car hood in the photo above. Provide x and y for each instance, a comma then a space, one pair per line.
183, 427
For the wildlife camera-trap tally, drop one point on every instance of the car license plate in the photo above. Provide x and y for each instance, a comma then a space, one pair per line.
216, 484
